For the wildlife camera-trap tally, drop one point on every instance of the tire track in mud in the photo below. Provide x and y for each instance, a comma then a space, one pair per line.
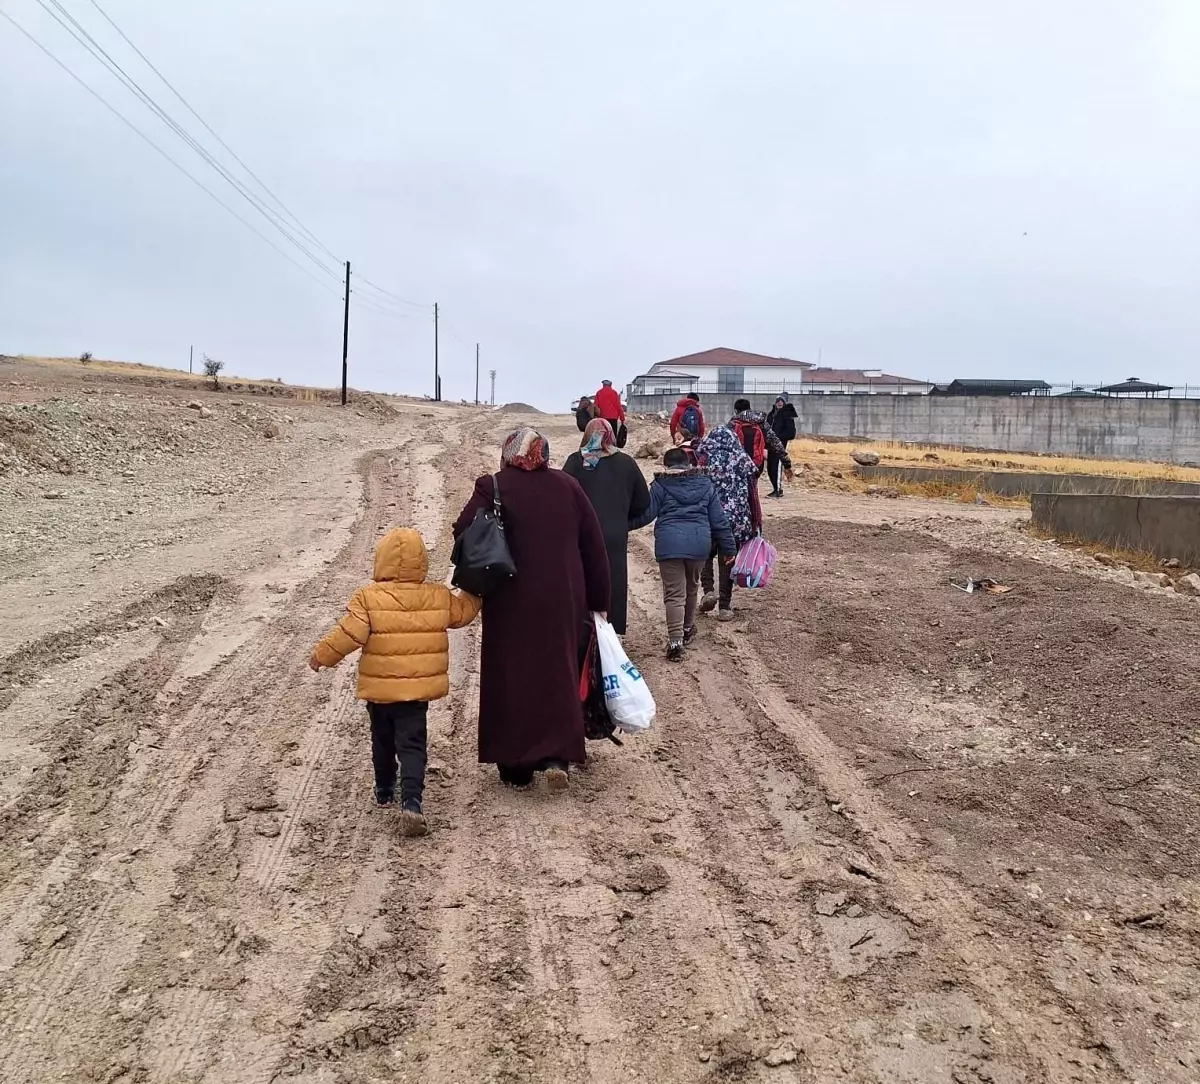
163, 797
318, 870
420, 986
1028, 1031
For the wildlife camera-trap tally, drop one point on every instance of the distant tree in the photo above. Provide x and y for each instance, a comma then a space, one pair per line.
212, 369
86, 356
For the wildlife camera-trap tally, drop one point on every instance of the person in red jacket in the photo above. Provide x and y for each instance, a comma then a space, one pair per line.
608, 405
689, 416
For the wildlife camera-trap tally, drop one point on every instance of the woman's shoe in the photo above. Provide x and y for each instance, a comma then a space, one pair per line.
515, 777
557, 777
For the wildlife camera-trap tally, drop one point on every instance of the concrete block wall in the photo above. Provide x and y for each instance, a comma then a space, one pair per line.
1164, 430
1164, 526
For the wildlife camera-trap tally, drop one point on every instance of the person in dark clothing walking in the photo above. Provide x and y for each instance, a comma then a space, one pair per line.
781, 419
584, 413
689, 524
617, 491
535, 628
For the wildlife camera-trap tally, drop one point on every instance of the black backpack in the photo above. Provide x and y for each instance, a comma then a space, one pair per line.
690, 420
481, 557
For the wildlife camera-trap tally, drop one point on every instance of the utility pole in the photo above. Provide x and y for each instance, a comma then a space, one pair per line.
437, 380
477, 374
493, 376
346, 333
191, 352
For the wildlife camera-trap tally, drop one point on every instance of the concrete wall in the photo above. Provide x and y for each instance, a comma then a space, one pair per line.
1023, 483
1164, 526
1166, 430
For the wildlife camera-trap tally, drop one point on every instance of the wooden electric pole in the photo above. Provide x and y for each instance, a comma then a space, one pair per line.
437, 380
346, 333
477, 374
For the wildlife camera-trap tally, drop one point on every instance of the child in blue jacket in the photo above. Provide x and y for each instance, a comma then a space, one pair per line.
690, 520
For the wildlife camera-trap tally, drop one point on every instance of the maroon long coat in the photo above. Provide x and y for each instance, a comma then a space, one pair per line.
533, 628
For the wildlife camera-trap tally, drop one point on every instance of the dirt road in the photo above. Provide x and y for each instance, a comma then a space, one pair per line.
882, 831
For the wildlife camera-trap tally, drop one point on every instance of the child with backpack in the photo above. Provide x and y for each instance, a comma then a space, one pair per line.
688, 416
690, 523
757, 438
399, 623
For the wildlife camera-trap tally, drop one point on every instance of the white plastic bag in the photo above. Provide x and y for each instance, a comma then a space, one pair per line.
630, 705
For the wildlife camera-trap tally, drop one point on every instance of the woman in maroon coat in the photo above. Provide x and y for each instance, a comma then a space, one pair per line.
535, 628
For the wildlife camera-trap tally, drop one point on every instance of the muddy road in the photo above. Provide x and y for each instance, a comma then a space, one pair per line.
881, 831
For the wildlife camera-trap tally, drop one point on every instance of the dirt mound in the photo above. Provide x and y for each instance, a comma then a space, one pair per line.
520, 408
120, 435
362, 401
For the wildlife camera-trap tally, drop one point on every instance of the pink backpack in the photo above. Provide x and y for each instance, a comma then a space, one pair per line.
755, 563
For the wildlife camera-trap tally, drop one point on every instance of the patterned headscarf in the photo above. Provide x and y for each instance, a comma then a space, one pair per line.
732, 471
526, 449
597, 442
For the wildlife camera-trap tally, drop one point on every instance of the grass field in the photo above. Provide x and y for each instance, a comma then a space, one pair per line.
837, 453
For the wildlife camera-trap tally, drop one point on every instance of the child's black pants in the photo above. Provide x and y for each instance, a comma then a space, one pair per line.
398, 733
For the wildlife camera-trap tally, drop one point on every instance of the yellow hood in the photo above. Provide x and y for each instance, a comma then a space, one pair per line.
401, 557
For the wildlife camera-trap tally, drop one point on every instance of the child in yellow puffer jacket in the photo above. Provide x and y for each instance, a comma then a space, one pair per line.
399, 622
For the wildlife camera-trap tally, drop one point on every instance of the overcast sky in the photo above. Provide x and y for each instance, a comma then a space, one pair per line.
937, 189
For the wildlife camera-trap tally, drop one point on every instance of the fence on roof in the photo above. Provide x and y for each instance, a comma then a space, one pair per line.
876, 387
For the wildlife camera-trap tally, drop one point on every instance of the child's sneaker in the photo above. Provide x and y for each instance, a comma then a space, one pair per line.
675, 651
725, 613
709, 602
385, 796
412, 820
689, 634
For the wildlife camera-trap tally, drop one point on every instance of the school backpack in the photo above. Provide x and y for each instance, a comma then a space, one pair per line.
751, 436
690, 420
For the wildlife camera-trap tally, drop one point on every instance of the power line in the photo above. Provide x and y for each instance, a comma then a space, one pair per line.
388, 293
81, 35
383, 303
211, 131
101, 54
137, 131
370, 306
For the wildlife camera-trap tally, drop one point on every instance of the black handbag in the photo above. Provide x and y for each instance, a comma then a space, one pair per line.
481, 557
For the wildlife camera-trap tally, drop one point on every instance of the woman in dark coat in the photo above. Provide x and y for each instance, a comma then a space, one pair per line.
536, 628
781, 419
614, 484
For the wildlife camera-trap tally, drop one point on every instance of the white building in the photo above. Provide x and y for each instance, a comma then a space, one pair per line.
820, 381
722, 370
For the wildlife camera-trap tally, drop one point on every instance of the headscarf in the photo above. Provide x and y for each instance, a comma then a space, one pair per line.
526, 449
732, 471
597, 442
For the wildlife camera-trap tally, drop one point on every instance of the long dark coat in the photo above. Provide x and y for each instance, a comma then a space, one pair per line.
534, 629
618, 493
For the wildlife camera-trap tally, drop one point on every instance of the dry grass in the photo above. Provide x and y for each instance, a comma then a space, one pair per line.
1138, 560
836, 454
962, 493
